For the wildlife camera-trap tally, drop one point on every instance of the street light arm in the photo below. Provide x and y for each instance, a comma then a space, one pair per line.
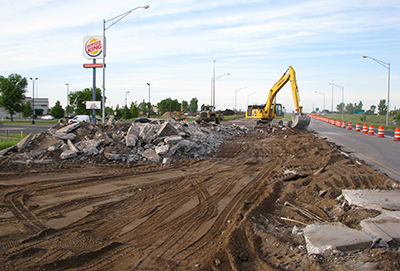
380, 62
218, 77
236, 91
121, 16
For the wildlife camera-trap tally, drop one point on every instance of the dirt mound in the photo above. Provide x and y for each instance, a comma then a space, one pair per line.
241, 207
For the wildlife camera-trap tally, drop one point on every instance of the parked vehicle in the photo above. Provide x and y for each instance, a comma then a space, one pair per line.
143, 120
80, 118
47, 117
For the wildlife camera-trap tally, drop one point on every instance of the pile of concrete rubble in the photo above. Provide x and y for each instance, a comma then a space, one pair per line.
157, 141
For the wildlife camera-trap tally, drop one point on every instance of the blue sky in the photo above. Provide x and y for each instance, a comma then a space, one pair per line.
172, 46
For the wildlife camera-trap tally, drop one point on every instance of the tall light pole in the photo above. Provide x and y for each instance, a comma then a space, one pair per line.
248, 98
213, 83
148, 114
387, 66
126, 103
324, 98
332, 97
114, 21
236, 91
66, 108
33, 99
342, 88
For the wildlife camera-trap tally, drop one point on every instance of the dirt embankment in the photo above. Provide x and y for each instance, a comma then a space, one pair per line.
232, 210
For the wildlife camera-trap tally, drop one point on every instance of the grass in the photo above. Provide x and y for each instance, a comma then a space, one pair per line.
369, 119
19, 121
9, 140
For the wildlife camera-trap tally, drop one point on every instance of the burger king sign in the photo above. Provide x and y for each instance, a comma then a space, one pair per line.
93, 47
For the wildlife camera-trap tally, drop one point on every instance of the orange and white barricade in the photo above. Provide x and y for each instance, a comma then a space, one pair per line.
371, 130
397, 134
343, 124
349, 126
358, 127
381, 131
365, 128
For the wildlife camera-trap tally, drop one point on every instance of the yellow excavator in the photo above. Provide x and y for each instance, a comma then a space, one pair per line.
273, 110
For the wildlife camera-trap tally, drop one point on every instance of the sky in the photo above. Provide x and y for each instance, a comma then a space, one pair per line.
172, 46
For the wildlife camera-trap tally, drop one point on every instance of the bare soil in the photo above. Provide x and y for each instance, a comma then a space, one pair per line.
232, 210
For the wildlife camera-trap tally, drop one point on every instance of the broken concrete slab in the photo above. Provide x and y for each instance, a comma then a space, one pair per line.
151, 155
147, 133
320, 238
172, 139
69, 128
68, 154
167, 129
88, 146
24, 142
64, 136
373, 199
161, 150
386, 226
72, 147
110, 120
55, 146
7, 150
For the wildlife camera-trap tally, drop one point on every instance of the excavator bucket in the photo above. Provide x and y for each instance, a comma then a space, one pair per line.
300, 121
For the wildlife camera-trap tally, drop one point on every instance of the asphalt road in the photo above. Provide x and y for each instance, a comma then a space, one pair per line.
382, 154
25, 128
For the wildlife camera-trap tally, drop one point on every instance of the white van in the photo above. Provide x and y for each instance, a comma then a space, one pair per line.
80, 118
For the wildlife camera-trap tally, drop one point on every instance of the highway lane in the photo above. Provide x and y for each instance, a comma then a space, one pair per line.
382, 154
25, 128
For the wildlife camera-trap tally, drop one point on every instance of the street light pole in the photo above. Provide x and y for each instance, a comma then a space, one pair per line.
342, 95
248, 98
387, 66
324, 98
66, 108
126, 104
33, 99
117, 19
213, 81
148, 114
236, 91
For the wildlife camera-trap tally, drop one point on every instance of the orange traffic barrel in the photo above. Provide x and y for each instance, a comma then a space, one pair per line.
350, 126
365, 128
371, 130
381, 131
397, 134
343, 124
358, 127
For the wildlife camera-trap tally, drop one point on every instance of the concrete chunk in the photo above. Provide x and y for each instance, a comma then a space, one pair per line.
68, 154
323, 237
24, 142
69, 128
172, 139
88, 146
161, 150
151, 155
72, 147
386, 226
167, 130
374, 199
147, 133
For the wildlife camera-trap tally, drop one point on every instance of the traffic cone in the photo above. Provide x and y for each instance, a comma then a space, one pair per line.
397, 134
365, 128
371, 130
381, 131
350, 126
358, 127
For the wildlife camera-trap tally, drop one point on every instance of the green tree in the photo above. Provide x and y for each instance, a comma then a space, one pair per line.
78, 100
119, 112
12, 93
27, 110
57, 111
340, 107
168, 105
382, 107
349, 108
193, 105
184, 106
358, 106
371, 111
134, 108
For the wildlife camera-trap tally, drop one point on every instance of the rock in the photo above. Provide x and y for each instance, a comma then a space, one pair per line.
373, 199
88, 146
326, 237
131, 140
172, 139
112, 156
147, 133
24, 142
68, 154
110, 120
7, 150
64, 136
167, 130
161, 150
69, 128
183, 144
151, 155
166, 161
55, 146
386, 226
71, 146
102, 137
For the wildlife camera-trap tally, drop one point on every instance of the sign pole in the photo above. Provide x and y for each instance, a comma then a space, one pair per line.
94, 91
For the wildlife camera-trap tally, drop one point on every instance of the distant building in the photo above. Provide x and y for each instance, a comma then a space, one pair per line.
41, 108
